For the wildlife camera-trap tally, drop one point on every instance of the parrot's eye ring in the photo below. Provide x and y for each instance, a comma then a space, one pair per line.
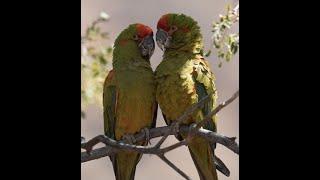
173, 29
135, 37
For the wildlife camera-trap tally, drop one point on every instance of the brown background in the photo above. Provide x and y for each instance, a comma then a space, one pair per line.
148, 12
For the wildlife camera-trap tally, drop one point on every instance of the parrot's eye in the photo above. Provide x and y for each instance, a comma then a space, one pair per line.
173, 28
135, 37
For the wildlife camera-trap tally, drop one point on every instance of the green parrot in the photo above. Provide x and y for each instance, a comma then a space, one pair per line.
183, 78
129, 103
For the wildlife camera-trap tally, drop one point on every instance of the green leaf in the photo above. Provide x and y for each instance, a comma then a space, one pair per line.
97, 29
102, 60
83, 66
109, 50
93, 64
208, 53
104, 35
234, 48
220, 54
227, 44
228, 56
91, 50
216, 44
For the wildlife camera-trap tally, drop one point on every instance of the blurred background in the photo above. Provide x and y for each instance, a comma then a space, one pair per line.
122, 13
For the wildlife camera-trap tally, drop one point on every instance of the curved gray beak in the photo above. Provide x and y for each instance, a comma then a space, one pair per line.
163, 39
147, 46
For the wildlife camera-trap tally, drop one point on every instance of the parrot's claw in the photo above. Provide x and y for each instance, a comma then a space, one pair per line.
176, 129
147, 134
192, 127
191, 131
129, 138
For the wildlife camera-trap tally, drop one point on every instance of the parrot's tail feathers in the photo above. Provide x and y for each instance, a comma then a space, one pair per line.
131, 177
114, 163
124, 165
197, 166
203, 159
221, 166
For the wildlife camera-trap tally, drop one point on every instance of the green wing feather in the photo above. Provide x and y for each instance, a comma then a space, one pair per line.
109, 105
202, 93
204, 85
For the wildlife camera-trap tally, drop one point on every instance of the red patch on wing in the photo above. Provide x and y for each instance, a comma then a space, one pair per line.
163, 23
143, 30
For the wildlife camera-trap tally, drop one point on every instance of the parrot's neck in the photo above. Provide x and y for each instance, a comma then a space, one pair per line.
132, 64
188, 50
128, 57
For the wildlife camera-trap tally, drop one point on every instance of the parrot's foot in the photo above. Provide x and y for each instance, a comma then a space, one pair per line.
192, 128
176, 129
147, 134
129, 138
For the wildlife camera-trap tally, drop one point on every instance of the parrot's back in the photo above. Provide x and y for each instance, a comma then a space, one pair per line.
182, 81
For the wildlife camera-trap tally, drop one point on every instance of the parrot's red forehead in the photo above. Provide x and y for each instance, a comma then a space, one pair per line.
143, 30
163, 23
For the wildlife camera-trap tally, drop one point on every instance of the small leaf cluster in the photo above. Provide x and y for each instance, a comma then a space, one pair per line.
225, 43
95, 63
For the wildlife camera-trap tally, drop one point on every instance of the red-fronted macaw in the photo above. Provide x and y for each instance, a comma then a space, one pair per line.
129, 102
183, 78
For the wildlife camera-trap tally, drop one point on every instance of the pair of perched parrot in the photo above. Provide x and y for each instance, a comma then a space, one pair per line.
132, 91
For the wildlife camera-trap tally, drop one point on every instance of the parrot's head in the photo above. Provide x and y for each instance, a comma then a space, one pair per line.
135, 40
178, 31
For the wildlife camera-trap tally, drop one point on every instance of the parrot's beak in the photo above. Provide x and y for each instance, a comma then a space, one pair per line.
163, 39
147, 46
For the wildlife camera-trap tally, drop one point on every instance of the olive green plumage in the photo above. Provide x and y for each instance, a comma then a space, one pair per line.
128, 99
183, 78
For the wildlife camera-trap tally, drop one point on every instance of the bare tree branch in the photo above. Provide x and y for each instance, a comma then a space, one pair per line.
112, 146
185, 115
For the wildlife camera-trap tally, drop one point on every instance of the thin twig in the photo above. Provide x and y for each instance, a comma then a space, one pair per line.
217, 109
113, 146
174, 146
167, 161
